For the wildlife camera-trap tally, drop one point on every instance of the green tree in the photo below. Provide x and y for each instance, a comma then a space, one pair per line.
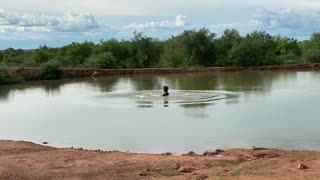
102, 61
311, 49
146, 51
255, 49
13, 56
224, 44
287, 50
76, 53
40, 56
121, 50
191, 48
175, 54
1, 57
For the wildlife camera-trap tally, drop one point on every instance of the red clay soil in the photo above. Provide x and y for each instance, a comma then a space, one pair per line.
28, 161
30, 73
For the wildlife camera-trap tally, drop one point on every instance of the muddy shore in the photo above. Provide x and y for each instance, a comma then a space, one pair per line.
30, 73
25, 160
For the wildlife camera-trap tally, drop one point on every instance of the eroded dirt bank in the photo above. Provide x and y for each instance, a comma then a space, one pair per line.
31, 73
25, 160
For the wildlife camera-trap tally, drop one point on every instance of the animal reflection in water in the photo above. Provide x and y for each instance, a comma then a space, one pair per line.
165, 95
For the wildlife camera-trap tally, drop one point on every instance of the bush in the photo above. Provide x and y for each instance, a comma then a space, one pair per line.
50, 72
7, 78
191, 48
256, 49
312, 56
290, 58
40, 56
101, 61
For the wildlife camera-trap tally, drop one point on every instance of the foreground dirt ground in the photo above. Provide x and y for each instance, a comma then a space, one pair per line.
25, 160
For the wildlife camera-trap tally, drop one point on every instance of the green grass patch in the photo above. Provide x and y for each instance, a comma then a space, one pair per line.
236, 173
268, 173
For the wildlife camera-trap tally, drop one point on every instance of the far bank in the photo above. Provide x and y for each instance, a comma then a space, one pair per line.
31, 73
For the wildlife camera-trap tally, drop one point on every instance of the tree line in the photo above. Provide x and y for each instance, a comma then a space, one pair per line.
191, 48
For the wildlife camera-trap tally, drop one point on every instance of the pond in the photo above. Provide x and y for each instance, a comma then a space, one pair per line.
204, 111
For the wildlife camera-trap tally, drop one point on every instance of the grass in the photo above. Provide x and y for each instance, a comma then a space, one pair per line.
236, 173
268, 173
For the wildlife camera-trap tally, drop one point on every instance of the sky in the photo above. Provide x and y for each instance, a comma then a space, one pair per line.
29, 23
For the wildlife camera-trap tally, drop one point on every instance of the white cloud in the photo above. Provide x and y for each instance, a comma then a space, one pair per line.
180, 21
72, 22
8, 18
267, 19
78, 22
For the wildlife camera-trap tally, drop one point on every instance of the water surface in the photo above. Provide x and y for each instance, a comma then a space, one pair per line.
204, 111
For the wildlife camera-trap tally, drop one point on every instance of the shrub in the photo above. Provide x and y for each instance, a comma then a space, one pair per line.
40, 56
7, 78
50, 72
101, 61
312, 56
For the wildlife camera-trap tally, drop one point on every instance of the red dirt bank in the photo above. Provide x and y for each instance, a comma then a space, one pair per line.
29, 73
24, 160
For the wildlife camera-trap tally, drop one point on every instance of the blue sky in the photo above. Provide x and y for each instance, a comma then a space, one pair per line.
29, 23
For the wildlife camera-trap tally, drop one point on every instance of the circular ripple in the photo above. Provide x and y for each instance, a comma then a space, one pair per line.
155, 97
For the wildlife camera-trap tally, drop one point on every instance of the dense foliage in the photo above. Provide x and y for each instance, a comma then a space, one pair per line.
50, 72
7, 78
192, 48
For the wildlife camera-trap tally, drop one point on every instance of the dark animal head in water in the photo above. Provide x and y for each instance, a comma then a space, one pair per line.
165, 91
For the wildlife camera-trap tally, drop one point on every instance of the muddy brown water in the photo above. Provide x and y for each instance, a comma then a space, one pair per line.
204, 111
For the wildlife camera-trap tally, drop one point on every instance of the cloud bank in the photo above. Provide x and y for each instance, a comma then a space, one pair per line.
180, 21
72, 22
288, 19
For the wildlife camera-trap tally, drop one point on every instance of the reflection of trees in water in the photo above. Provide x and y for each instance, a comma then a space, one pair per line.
105, 84
4, 93
146, 82
261, 81
229, 81
258, 81
50, 87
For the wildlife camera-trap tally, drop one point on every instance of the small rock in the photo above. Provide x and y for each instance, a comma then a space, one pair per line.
177, 166
207, 153
202, 177
80, 149
219, 151
143, 174
302, 166
185, 170
258, 148
191, 153
45, 143
167, 154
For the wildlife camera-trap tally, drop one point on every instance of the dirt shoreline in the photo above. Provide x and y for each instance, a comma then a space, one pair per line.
26, 160
29, 73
